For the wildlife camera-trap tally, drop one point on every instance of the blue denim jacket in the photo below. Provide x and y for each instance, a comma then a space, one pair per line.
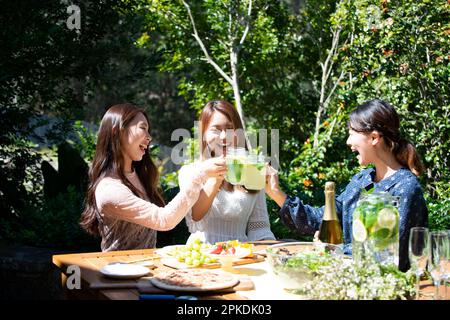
413, 211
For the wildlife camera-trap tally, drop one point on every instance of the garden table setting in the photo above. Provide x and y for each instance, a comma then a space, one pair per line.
130, 127
264, 275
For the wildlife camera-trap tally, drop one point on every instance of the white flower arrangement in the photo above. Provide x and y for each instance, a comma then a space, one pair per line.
364, 280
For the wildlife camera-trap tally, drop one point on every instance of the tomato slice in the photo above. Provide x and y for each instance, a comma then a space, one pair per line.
216, 250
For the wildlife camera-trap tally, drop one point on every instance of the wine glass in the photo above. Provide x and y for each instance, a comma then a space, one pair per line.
438, 248
418, 252
447, 264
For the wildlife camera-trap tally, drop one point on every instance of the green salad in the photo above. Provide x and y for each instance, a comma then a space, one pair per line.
310, 260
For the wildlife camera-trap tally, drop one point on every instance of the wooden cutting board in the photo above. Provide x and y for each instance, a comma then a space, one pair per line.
174, 263
145, 286
244, 284
105, 283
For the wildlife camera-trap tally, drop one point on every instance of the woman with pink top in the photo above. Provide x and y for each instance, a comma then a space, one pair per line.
123, 204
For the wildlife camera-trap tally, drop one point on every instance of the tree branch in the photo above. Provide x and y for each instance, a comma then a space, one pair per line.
247, 25
202, 46
327, 68
327, 100
333, 123
334, 46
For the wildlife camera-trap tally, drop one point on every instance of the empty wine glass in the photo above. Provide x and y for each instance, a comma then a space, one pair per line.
418, 252
447, 264
438, 248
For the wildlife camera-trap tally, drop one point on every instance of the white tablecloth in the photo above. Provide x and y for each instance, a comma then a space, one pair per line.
266, 285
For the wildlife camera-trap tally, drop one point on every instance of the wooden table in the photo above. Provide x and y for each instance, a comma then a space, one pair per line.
91, 263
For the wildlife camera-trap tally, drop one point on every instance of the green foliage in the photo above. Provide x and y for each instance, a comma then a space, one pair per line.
192, 147
65, 75
86, 141
401, 54
50, 219
269, 66
43, 65
309, 171
169, 180
20, 178
396, 51
270, 80
439, 209
143, 51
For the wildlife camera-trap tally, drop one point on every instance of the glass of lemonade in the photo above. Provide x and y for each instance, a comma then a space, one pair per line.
254, 173
235, 159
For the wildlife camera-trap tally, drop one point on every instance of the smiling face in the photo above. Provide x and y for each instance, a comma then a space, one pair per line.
364, 145
219, 134
136, 138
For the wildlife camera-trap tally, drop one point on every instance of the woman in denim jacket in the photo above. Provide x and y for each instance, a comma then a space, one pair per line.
374, 136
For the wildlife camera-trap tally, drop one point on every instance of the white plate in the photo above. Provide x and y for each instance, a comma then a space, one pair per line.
261, 252
239, 254
124, 271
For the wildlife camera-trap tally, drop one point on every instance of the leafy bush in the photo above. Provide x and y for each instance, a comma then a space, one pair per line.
396, 51
55, 224
439, 210
20, 178
85, 142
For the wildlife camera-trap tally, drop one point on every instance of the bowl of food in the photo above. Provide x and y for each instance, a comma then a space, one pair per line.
294, 263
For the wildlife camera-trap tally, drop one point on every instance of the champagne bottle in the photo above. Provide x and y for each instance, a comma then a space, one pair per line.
330, 230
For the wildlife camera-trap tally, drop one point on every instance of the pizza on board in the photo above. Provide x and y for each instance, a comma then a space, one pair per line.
193, 280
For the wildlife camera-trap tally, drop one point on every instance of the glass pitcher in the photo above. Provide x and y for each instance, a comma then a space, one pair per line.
235, 160
375, 230
254, 173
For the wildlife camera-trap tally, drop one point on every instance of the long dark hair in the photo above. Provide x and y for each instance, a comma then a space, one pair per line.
381, 116
229, 111
108, 161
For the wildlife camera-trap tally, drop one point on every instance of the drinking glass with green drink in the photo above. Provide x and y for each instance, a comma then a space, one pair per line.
235, 160
253, 174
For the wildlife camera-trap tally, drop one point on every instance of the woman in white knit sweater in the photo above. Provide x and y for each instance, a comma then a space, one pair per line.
224, 212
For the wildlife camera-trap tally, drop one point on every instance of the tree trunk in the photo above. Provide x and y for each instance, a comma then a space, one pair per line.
235, 83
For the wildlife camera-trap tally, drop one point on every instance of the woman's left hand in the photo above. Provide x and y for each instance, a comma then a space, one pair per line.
273, 186
272, 181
